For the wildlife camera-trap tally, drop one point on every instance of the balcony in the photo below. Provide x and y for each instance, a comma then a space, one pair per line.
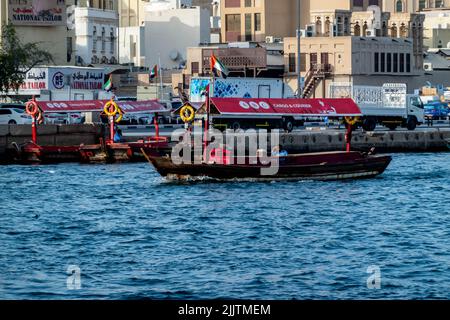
236, 58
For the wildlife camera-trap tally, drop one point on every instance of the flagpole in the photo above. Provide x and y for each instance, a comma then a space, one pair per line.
160, 78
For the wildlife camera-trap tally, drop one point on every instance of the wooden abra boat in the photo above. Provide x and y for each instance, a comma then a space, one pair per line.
318, 166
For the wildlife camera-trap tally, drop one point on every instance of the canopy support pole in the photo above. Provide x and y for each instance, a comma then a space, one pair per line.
111, 128
33, 130
156, 123
206, 133
348, 137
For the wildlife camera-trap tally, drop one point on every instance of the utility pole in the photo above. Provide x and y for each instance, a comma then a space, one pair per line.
299, 59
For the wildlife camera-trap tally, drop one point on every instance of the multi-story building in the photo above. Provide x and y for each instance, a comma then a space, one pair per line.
168, 33
96, 25
362, 47
44, 23
254, 20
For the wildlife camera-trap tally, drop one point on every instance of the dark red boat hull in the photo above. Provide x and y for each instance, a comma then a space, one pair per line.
317, 166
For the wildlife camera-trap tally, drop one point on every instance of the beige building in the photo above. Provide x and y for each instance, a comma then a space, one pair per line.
254, 20
360, 60
31, 26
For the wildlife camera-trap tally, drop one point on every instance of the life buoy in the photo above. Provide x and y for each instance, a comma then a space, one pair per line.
111, 105
120, 117
40, 118
187, 113
351, 120
32, 108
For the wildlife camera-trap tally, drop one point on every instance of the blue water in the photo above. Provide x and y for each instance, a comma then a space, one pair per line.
135, 236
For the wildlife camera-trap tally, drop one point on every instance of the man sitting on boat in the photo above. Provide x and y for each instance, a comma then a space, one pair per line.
277, 152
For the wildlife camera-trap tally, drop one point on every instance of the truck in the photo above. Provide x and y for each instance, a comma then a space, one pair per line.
389, 105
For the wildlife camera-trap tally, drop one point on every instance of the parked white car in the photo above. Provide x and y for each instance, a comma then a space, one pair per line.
14, 116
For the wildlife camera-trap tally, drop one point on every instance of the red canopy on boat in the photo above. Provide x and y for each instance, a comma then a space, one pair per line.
148, 106
290, 107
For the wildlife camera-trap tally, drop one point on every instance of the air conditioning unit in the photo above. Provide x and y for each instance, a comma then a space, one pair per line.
310, 30
302, 33
428, 66
277, 40
270, 39
371, 33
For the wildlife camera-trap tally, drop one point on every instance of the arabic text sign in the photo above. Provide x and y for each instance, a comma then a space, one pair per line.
37, 12
36, 79
78, 79
299, 107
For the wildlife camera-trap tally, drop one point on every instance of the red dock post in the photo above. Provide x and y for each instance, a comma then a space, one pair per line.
156, 123
348, 137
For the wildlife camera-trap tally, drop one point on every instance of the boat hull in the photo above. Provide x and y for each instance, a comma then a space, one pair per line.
317, 166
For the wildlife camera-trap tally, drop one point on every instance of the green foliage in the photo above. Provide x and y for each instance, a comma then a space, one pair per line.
16, 59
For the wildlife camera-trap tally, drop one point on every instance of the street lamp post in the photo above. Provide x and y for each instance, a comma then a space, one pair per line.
299, 60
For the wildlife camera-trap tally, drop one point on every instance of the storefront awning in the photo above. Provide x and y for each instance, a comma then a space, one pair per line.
286, 107
147, 106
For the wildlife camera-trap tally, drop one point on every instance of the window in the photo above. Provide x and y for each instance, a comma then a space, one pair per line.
94, 39
5, 111
399, 6
232, 3
324, 58
395, 62
248, 27
103, 39
408, 62
195, 67
302, 62
383, 62
233, 22
257, 21
358, 3
292, 62
422, 4
402, 62
389, 62
112, 43
376, 62
248, 3
438, 4
69, 49
374, 3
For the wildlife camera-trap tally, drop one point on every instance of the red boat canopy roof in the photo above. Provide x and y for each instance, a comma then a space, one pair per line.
148, 106
291, 107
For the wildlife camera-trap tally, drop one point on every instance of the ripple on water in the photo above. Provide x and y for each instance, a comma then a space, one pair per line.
136, 236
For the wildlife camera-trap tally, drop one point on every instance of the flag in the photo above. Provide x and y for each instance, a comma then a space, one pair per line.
154, 72
217, 67
108, 85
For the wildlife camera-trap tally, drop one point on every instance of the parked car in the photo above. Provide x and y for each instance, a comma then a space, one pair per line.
64, 118
436, 110
14, 116
16, 105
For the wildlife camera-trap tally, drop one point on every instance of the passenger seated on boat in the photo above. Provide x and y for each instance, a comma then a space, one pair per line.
277, 152
118, 136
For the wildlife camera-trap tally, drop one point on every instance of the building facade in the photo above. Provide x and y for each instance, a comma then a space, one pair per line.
96, 32
255, 20
168, 33
45, 24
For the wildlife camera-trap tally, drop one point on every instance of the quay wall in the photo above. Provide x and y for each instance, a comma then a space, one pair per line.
428, 140
48, 135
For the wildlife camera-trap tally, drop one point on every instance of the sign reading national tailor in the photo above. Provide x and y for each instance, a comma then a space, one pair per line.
37, 12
